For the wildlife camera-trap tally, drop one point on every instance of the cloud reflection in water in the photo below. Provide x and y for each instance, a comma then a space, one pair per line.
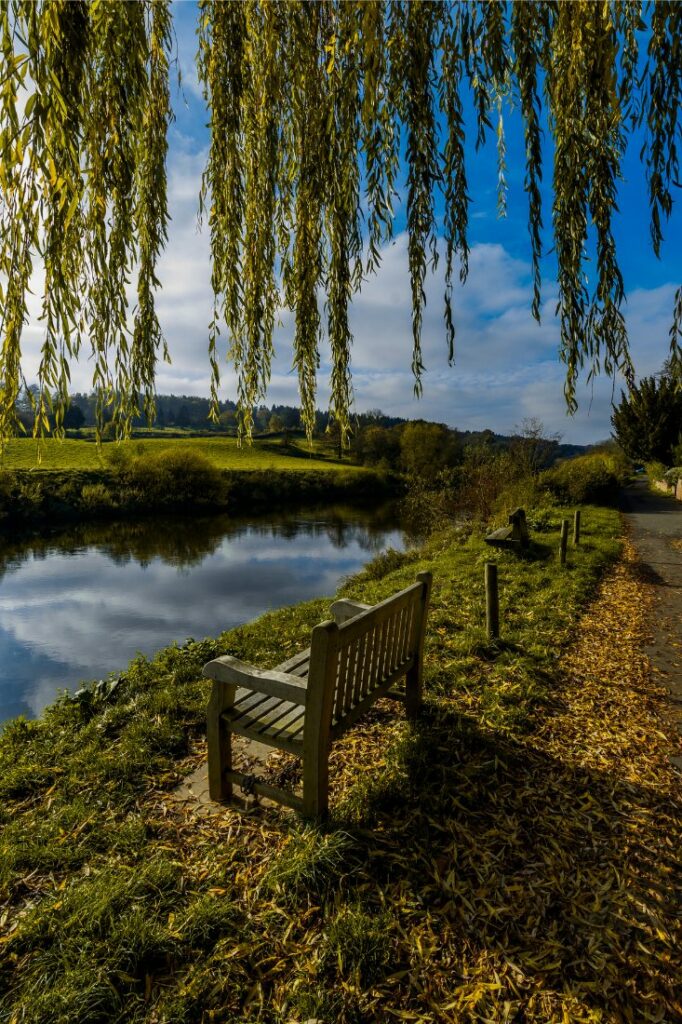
80, 605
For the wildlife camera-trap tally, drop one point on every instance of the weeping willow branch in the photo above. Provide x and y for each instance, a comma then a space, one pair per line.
84, 115
315, 109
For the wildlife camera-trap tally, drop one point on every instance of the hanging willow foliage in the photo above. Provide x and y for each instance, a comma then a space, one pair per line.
315, 108
84, 114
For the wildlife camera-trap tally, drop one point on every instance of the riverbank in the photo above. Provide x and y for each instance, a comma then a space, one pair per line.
31, 500
496, 860
75, 481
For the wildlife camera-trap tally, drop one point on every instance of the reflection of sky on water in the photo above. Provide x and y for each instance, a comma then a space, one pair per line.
74, 611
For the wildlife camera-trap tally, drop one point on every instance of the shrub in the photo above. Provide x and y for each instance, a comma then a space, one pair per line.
483, 476
655, 470
588, 478
118, 458
429, 505
523, 493
96, 497
175, 477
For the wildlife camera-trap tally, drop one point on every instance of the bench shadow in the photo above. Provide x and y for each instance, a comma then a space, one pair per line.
539, 550
561, 870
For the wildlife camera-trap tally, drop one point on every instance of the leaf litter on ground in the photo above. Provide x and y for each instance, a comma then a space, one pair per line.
481, 866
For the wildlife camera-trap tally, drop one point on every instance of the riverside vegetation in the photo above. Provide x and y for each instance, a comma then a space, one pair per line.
484, 868
76, 480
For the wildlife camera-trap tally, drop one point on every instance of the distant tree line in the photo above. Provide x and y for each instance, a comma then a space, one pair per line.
192, 412
416, 448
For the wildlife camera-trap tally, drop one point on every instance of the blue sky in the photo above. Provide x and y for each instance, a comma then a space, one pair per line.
506, 367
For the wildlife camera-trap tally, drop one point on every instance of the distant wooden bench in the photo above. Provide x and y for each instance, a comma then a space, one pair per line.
312, 699
513, 536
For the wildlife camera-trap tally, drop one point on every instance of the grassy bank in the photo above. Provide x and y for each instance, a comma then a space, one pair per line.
196, 475
221, 452
468, 872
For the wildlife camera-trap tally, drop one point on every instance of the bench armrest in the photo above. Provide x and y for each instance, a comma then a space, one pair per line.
345, 609
276, 684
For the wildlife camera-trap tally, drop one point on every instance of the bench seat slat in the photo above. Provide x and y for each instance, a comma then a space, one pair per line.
298, 665
277, 719
289, 723
292, 744
267, 719
247, 702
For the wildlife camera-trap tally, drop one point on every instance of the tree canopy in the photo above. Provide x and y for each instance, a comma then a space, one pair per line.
315, 111
648, 421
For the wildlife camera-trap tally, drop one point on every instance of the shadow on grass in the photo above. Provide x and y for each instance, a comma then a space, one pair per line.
563, 871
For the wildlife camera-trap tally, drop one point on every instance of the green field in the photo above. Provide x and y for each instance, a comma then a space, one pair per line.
224, 452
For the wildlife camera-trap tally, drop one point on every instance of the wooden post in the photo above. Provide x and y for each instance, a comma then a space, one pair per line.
563, 542
492, 601
576, 527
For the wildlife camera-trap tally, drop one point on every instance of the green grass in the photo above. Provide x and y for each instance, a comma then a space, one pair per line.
223, 452
117, 908
76, 481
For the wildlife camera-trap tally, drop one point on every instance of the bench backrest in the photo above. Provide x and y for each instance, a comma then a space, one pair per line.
517, 520
366, 654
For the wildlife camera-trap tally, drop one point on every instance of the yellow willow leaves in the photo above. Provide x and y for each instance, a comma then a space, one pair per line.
314, 108
84, 113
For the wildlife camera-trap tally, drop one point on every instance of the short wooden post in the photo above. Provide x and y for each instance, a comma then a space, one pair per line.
492, 602
563, 542
576, 527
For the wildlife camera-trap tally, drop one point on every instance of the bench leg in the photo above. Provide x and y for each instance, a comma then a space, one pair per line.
316, 784
413, 691
219, 742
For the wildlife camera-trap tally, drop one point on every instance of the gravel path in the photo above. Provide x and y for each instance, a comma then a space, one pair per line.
656, 530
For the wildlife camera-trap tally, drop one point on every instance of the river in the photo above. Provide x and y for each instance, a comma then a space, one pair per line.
78, 605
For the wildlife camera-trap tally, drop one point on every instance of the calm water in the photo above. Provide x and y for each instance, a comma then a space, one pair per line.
78, 605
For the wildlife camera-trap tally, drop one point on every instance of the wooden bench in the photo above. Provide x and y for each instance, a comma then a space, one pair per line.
312, 699
513, 536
